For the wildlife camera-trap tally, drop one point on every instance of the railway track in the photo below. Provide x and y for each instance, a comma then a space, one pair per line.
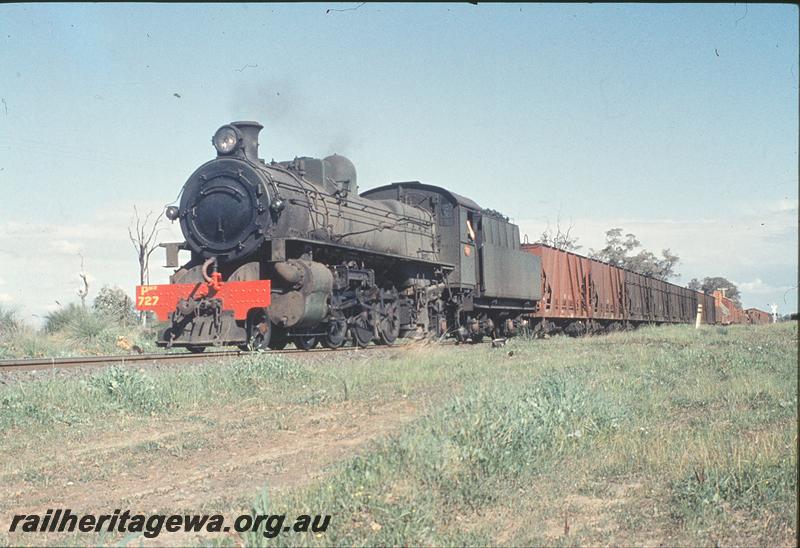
29, 364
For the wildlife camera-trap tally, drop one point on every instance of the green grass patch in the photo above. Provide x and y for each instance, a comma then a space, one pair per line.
126, 390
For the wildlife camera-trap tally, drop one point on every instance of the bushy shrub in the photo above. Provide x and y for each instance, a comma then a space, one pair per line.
9, 321
89, 328
81, 326
115, 304
57, 320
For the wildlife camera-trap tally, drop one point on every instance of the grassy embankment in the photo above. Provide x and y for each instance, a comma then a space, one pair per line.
661, 436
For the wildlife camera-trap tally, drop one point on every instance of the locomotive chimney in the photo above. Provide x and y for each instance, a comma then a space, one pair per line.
249, 131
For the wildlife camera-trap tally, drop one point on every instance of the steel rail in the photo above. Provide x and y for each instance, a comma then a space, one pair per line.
78, 361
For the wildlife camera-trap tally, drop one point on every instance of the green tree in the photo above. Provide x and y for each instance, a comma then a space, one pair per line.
712, 283
619, 251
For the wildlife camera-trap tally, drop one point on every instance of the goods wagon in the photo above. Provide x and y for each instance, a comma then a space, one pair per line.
757, 317
727, 311
580, 294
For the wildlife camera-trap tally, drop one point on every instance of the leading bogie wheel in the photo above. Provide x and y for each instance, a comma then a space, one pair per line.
259, 330
305, 342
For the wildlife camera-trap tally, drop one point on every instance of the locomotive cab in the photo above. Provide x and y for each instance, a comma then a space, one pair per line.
493, 281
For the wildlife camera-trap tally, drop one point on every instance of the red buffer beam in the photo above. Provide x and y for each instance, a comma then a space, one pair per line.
240, 297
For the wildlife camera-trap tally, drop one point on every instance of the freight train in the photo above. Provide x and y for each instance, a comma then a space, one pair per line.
290, 251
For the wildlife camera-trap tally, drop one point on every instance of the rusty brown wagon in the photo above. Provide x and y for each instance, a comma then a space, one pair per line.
580, 294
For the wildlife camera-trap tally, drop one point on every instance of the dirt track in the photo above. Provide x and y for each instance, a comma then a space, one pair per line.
209, 462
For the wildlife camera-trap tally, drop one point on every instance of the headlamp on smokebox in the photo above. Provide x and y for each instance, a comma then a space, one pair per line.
227, 140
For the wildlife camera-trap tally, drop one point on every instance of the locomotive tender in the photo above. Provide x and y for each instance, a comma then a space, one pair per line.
288, 251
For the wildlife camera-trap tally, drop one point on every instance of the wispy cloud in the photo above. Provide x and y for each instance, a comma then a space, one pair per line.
759, 287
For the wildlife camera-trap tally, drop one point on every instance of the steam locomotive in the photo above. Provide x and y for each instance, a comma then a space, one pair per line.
290, 252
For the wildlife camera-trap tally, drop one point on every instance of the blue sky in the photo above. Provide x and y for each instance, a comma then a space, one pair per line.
678, 123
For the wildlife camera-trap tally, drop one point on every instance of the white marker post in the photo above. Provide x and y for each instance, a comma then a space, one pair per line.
699, 315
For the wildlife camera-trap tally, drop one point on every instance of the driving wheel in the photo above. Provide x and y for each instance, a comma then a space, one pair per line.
336, 334
389, 326
361, 328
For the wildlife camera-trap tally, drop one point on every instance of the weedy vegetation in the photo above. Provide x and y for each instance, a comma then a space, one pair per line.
109, 326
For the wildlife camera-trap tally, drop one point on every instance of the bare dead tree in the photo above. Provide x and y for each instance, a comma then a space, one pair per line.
84, 291
143, 234
560, 239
